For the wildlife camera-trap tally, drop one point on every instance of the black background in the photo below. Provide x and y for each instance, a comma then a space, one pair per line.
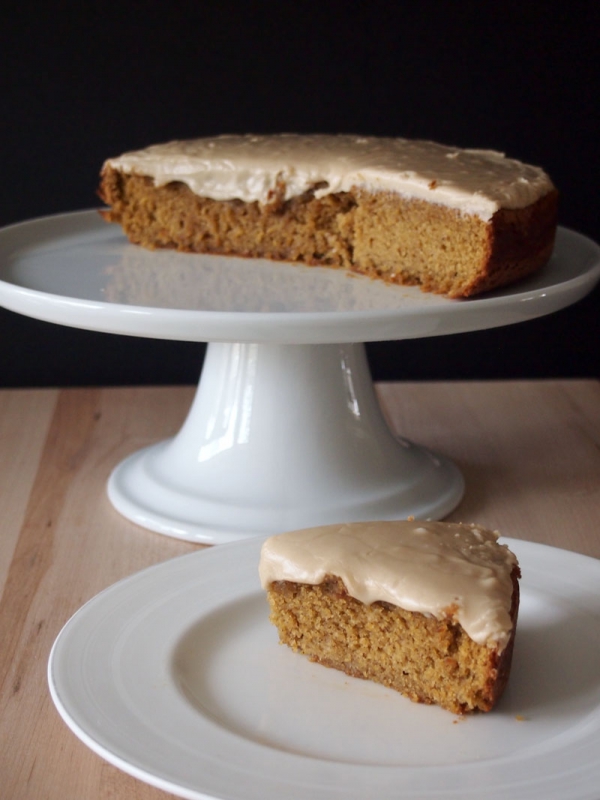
85, 81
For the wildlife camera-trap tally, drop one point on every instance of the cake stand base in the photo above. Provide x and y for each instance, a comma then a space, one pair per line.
281, 437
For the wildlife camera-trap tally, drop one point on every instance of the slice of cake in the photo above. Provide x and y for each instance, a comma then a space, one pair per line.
426, 608
452, 221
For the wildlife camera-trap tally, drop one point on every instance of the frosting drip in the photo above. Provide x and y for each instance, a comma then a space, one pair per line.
253, 168
434, 568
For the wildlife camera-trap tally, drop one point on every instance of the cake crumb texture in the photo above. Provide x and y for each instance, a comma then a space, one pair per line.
428, 660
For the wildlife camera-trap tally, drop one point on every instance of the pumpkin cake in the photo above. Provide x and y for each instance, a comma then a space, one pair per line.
426, 608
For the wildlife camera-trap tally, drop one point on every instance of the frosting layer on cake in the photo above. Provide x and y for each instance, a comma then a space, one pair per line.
260, 168
434, 568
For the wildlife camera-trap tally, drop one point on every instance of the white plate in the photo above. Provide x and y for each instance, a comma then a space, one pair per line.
76, 270
175, 676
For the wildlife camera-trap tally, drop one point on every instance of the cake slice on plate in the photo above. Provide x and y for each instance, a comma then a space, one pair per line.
426, 608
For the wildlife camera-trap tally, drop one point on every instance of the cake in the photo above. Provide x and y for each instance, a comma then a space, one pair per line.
426, 608
452, 221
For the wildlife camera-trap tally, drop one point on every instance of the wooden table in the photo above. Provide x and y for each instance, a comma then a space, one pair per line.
529, 451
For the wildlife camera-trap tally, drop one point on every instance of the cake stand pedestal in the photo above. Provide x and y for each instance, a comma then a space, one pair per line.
281, 437
285, 430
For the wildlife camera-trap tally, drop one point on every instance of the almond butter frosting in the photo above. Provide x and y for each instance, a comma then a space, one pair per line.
428, 567
251, 168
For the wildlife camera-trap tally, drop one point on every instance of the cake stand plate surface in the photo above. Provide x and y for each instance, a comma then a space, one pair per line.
285, 430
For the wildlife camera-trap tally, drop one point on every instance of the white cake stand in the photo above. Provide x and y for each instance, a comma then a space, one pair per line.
285, 430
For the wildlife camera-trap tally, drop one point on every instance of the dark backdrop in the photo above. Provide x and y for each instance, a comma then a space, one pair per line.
85, 81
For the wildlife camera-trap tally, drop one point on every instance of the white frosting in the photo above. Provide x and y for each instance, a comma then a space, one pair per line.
434, 568
252, 168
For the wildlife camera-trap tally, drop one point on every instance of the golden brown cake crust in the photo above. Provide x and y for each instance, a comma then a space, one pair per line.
378, 234
426, 659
